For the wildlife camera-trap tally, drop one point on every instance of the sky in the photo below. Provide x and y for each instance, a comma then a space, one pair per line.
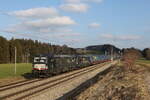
78, 23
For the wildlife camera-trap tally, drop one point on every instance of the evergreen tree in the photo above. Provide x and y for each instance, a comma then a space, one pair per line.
27, 49
4, 50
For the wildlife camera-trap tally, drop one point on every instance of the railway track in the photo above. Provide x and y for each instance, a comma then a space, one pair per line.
24, 82
17, 84
35, 88
13, 83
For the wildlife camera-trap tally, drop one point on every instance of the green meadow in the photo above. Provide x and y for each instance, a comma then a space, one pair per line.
8, 70
144, 61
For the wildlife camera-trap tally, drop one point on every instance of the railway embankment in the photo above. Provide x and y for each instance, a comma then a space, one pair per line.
99, 82
51, 88
120, 84
65, 89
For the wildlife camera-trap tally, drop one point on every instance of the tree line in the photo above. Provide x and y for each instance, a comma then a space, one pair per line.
139, 53
27, 49
131, 55
146, 53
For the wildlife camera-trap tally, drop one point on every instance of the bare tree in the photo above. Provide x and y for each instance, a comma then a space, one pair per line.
129, 59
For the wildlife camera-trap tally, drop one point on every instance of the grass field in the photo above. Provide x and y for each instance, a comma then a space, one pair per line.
143, 61
7, 70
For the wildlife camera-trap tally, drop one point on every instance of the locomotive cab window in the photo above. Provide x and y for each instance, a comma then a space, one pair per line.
40, 60
36, 60
43, 60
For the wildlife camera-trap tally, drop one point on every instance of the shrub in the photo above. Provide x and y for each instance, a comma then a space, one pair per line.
129, 59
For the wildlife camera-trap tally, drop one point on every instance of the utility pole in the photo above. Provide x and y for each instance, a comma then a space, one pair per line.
119, 57
15, 59
112, 49
112, 53
105, 53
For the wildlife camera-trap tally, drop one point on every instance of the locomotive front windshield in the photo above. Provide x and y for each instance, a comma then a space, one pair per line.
40, 60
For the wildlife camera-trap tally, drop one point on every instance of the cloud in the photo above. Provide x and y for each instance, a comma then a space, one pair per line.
42, 19
64, 37
72, 1
59, 24
70, 41
55, 30
120, 37
69, 34
75, 7
44, 24
42, 12
31, 30
107, 36
94, 25
79, 1
51, 22
96, 1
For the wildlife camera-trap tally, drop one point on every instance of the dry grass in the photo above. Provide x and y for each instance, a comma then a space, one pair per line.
120, 84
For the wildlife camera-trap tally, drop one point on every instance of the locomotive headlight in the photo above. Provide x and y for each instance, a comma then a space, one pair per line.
41, 66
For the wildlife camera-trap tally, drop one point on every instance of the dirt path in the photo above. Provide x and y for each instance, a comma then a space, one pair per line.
120, 84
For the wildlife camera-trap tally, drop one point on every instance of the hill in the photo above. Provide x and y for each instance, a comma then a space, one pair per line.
102, 49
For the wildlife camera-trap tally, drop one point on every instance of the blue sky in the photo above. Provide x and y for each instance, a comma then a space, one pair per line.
78, 23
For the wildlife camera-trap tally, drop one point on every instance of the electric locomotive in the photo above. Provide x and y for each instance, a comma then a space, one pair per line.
47, 65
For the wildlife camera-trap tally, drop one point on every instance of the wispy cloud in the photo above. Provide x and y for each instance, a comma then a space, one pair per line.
120, 37
94, 25
71, 34
49, 25
51, 22
96, 1
75, 7
72, 1
42, 12
44, 19
79, 1
45, 24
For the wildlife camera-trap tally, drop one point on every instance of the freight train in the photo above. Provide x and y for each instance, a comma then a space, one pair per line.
48, 65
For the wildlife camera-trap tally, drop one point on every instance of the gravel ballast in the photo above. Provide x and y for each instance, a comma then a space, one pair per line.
65, 87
